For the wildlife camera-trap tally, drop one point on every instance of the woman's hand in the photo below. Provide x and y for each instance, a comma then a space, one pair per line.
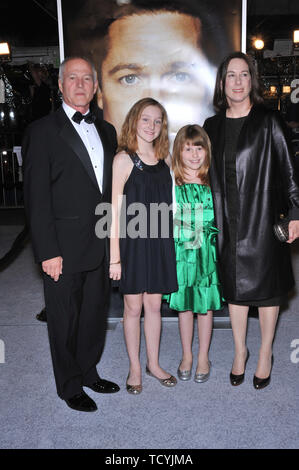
115, 271
293, 230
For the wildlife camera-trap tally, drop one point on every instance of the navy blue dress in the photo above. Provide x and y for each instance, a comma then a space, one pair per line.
147, 250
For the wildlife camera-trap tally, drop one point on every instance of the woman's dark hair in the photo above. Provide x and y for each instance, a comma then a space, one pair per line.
220, 101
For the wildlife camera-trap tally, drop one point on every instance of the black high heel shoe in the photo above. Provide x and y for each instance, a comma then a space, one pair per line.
262, 383
238, 379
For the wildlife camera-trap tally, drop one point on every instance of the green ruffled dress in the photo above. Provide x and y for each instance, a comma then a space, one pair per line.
195, 246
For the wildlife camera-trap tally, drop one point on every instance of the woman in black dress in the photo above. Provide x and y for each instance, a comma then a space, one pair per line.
142, 255
252, 181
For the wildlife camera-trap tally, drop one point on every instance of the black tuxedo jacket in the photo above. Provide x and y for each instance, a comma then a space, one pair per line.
61, 191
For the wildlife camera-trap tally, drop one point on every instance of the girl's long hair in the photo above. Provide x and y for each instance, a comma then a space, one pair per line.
191, 135
128, 138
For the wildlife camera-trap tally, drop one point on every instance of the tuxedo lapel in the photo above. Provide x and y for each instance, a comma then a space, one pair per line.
72, 138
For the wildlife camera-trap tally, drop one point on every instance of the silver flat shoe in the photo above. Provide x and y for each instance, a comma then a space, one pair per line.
184, 374
168, 382
200, 378
133, 389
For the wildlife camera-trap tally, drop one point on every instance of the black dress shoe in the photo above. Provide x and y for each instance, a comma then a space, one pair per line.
104, 386
81, 402
262, 383
42, 316
238, 379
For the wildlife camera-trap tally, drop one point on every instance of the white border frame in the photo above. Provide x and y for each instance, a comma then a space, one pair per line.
61, 40
60, 30
244, 26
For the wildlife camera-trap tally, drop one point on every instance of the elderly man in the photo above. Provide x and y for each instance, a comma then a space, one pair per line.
68, 159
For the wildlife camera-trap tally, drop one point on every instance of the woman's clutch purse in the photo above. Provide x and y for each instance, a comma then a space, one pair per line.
281, 228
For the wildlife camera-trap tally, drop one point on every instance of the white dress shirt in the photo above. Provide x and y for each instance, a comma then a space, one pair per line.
92, 142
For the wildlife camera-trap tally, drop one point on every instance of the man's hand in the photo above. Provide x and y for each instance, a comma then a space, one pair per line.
53, 267
293, 230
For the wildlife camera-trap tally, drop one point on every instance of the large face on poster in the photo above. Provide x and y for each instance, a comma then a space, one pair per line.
168, 50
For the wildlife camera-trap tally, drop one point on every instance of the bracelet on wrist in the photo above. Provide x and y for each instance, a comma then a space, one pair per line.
117, 262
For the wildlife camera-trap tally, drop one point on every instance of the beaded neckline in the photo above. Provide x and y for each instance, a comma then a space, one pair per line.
140, 164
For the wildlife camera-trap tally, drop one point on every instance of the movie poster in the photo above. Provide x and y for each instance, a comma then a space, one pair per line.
165, 49
168, 50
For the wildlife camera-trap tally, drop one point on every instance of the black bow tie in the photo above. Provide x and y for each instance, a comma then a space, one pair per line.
89, 118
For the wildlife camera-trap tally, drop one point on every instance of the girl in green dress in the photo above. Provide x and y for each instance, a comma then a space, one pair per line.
194, 235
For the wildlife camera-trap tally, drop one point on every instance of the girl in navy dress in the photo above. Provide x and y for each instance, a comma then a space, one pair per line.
142, 255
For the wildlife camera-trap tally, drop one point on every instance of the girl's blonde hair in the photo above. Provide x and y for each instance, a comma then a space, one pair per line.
128, 137
191, 135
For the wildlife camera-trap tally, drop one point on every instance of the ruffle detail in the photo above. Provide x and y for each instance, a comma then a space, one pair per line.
195, 299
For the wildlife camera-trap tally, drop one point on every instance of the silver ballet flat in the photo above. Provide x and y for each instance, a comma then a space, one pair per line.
200, 378
168, 382
184, 374
133, 389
